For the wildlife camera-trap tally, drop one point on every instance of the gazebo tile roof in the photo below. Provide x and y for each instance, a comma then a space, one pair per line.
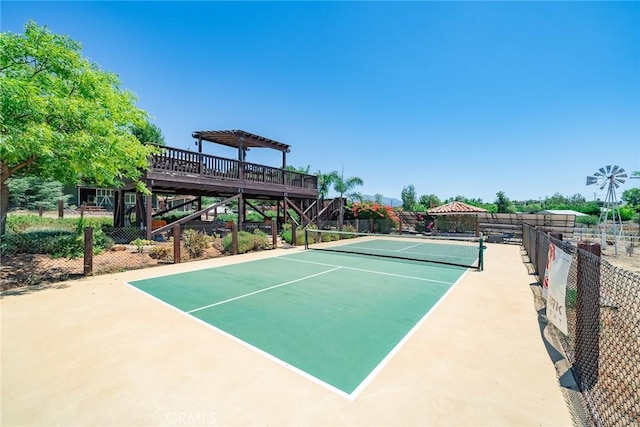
455, 208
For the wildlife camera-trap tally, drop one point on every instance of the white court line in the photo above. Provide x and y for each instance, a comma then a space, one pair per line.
408, 247
258, 350
263, 290
422, 279
401, 343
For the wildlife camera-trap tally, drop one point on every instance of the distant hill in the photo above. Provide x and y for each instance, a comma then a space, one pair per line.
389, 201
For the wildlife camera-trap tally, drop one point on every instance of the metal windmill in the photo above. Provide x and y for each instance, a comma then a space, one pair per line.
611, 177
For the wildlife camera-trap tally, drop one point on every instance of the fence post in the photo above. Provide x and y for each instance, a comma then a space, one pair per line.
176, 243
370, 225
88, 251
588, 315
294, 240
60, 208
234, 239
40, 210
357, 225
274, 232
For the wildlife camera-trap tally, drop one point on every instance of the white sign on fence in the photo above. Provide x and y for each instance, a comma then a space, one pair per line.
555, 286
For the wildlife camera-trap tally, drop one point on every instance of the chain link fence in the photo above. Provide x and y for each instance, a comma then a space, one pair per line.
603, 315
46, 257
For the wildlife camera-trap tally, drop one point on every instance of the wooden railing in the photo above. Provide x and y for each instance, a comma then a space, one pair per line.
183, 162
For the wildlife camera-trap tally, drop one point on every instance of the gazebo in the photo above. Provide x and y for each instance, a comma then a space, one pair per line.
457, 216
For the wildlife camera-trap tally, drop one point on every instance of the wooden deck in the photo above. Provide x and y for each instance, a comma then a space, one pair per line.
187, 172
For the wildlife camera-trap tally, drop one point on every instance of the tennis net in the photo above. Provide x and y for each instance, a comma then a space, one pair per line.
464, 252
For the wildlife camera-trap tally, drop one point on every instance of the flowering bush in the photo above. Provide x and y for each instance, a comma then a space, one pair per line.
374, 210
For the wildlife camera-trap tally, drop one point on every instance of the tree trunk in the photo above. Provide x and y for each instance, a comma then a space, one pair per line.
4, 198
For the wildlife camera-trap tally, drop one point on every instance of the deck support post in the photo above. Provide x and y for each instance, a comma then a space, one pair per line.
148, 216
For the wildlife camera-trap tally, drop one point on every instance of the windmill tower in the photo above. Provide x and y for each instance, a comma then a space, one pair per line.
611, 177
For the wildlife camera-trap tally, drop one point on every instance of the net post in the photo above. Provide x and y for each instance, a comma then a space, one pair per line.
481, 254
306, 238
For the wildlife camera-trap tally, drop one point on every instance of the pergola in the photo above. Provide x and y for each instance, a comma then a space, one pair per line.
241, 140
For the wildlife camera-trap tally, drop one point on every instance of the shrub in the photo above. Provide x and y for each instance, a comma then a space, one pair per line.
247, 242
374, 210
53, 242
23, 222
195, 243
161, 252
140, 244
587, 220
217, 245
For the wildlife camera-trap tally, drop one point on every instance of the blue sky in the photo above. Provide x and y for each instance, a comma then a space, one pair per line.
455, 98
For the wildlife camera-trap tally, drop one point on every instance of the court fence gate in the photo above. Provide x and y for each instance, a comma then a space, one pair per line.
603, 321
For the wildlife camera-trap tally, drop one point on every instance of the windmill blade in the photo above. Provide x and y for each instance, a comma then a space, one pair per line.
608, 169
615, 169
620, 181
604, 184
621, 176
591, 180
621, 170
602, 172
616, 184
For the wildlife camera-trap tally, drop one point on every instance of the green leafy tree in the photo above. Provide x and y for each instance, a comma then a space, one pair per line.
378, 198
32, 192
63, 118
631, 196
148, 133
503, 204
344, 187
408, 196
429, 201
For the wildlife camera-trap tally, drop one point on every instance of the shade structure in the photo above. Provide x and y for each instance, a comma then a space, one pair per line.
455, 208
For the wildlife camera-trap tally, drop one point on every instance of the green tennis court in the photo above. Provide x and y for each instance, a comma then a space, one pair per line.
334, 318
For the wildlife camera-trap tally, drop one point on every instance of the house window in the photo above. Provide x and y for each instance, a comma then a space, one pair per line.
130, 199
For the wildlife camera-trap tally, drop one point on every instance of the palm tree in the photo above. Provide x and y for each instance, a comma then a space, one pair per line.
343, 187
324, 185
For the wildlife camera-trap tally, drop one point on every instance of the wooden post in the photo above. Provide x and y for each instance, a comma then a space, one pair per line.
234, 239
357, 225
60, 208
40, 210
88, 251
294, 240
285, 212
274, 232
241, 211
370, 225
148, 215
588, 315
176, 243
